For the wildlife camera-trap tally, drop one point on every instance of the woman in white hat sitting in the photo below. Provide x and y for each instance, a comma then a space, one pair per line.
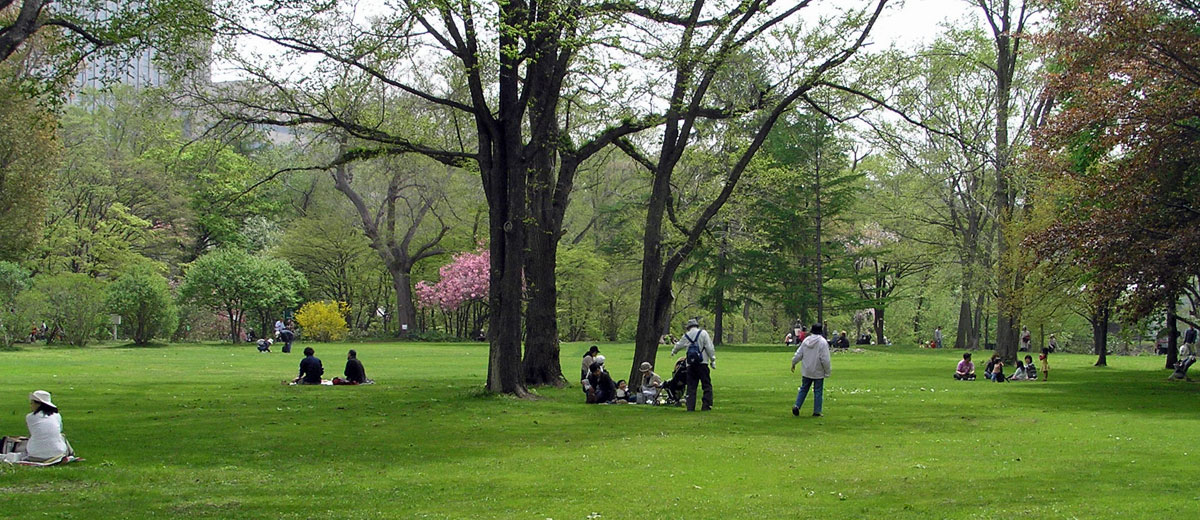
46, 442
650, 384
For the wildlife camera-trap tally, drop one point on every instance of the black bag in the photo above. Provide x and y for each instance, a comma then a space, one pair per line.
694, 356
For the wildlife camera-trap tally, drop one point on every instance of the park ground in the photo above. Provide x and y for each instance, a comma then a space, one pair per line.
208, 431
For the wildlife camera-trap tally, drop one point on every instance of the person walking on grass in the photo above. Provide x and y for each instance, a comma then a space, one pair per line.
813, 356
701, 357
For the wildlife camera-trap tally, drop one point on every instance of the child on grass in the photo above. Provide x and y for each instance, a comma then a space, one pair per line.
966, 369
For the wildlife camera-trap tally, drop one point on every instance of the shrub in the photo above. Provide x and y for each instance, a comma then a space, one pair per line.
141, 297
13, 321
323, 321
71, 303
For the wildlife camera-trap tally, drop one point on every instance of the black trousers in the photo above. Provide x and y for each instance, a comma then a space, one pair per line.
699, 374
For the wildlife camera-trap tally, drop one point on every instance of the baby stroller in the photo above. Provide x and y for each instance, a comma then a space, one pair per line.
673, 390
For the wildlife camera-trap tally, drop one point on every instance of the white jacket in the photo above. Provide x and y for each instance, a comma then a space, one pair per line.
813, 354
45, 436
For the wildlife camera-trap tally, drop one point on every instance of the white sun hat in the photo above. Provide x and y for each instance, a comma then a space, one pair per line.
41, 396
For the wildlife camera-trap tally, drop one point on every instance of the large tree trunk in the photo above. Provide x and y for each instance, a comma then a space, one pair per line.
1172, 334
1100, 334
548, 198
406, 313
541, 364
878, 325
917, 315
655, 299
1008, 280
505, 183
820, 256
746, 321
964, 321
719, 319
977, 326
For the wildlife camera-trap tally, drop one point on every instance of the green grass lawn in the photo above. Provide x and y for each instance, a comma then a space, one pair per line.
209, 432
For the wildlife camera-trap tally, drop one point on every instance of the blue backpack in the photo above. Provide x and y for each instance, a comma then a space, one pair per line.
694, 355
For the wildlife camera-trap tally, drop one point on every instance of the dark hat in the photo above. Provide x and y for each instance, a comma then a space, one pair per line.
817, 329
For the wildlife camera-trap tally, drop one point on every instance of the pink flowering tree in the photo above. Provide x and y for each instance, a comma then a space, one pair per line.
457, 302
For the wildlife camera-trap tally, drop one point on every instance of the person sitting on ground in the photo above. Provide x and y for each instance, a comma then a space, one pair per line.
46, 443
966, 369
589, 357
310, 369
991, 364
650, 384
1185, 360
842, 341
602, 388
1019, 373
998, 370
354, 369
623, 393
264, 345
1030, 369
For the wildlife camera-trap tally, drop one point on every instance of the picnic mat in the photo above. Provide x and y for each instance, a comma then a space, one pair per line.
65, 460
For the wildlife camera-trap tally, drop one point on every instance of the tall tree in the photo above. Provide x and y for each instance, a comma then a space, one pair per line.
399, 226
703, 54
29, 151
235, 282
1119, 154
1007, 22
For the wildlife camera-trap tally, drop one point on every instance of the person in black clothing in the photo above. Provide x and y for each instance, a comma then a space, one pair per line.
310, 369
842, 341
354, 369
603, 389
286, 337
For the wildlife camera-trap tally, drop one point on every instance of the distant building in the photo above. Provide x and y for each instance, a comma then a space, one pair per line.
138, 70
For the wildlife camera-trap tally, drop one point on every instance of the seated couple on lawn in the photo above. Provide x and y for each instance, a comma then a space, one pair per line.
45, 444
311, 371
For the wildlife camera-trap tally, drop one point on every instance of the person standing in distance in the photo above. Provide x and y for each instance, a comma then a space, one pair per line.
813, 355
701, 357
1045, 357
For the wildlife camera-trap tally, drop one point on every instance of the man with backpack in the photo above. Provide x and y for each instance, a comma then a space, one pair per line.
701, 356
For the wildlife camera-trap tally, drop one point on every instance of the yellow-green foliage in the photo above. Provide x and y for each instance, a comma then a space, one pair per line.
324, 320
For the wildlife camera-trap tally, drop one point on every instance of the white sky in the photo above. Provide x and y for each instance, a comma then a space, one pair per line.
906, 23
913, 22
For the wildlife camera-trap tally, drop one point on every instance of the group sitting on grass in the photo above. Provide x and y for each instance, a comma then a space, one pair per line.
994, 371
599, 387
